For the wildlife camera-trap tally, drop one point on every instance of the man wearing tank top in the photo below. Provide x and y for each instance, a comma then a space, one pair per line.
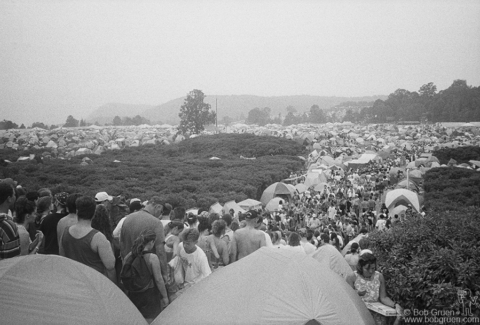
86, 245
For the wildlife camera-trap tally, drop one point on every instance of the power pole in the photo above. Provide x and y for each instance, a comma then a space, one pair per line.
216, 116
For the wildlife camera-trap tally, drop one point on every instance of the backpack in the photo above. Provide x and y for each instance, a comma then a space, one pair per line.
135, 274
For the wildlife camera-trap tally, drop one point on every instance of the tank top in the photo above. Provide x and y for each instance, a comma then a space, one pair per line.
372, 287
80, 250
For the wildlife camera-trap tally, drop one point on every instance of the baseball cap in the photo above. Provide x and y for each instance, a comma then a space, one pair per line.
251, 214
102, 196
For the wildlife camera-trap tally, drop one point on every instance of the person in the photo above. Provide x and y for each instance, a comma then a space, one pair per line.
44, 206
71, 218
294, 243
137, 222
205, 241
332, 211
307, 247
172, 240
246, 240
218, 230
228, 236
24, 212
9, 237
352, 256
192, 220
381, 223
150, 300
194, 261
86, 245
370, 286
101, 222
50, 223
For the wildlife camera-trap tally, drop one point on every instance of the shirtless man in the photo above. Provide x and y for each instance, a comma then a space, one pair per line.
248, 239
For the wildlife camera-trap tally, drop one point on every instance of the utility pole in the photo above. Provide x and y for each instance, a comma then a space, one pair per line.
216, 116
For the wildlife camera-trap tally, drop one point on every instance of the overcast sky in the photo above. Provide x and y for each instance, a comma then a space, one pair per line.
69, 57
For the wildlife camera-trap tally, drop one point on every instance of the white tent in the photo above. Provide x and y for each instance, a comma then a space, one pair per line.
50, 289
402, 196
303, 292
249, 204
232, 205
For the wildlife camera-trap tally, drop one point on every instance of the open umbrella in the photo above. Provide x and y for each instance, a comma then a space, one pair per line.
278, 188
50, 289
249, 204
302, 291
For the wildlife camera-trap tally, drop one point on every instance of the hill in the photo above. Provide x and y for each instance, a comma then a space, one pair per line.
238, 106
105, 113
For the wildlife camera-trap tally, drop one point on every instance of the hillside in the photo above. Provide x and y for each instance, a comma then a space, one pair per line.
106, 113
238, 106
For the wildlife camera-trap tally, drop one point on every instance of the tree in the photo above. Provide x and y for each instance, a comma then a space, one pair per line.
194, 113
428, 90
291, 109
260, 116
22, 126
5, 125
317, 115
40, 125
117, 121
83, 122
71, 122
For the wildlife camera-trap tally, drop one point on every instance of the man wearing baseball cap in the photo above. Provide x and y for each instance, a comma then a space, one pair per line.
101, 197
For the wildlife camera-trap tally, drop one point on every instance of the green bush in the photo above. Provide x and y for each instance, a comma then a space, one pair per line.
460, 154
181, 173
427, 259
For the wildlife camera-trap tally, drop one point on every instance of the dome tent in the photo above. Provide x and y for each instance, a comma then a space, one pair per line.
405, 197
305, 292
49, 289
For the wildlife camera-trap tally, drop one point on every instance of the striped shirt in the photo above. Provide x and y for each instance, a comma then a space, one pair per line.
9, 238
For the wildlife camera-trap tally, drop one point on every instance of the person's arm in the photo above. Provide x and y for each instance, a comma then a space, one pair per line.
225, 254
211, 244
233, 249
104, 249
157, 275
34, 246
59, 231
160, 250
176, 248
384, 299
263, 241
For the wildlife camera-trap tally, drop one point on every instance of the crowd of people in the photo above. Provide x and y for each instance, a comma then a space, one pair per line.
175, 249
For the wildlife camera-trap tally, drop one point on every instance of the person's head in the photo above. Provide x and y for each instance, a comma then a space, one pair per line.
32, 196
364, 243
24, 208
251, 217
232, 212
218, 228
274, 237
20, 191
302, 232
367, 265
85, 207
294, 239
204, 226
155, 206
176, 227
228, 219
167, 208
234, 226
325, 238
60, 200
44, 192
7, 194
364, 231
354, 248
101, 221
190, 239
44, 204
178, 213
212, 217
145, 241
191, 219
71, 202
135, 206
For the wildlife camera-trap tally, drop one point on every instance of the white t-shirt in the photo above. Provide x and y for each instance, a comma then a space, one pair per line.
195, 265
331, 212
381, 224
